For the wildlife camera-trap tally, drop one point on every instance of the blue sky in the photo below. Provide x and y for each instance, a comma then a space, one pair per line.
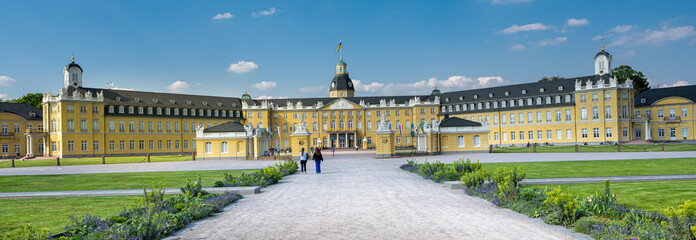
286, 48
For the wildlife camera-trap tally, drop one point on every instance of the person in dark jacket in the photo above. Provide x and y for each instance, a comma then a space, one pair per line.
303, 161
318, 159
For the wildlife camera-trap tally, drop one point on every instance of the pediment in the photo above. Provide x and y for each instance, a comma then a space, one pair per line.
342, 103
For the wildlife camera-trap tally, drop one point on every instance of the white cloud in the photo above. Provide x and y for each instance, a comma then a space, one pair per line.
268, 12
367, 87
4, 96
221, 16
6, 81
552, 41
452, 83
270, 97
622, 28
629, 54
178, 87
523, 28
665, 35
677, 84
313, 88
574, 22
509, 1
264, 85
242, 67
517, 47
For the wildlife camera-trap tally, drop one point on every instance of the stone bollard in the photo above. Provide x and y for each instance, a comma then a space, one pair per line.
490, 148
662, 145
619, 149
193, 156
148, 157
13, 162
103, 159
534, 147
58, 161
576, 148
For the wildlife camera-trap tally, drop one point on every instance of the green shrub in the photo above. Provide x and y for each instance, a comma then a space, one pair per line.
563, 205
465, 167
219, 184
118, 219
584, 224
508, 181
474, 179
428, 170
27, 232
683, 219
194, 188
446, 174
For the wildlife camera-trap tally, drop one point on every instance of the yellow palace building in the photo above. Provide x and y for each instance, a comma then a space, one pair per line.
81, 121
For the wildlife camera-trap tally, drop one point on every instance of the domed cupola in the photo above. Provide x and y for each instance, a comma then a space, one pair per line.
435, 92
72, 74
341, 85
602, 62
246, 96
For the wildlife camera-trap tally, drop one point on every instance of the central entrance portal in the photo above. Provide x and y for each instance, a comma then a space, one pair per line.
342, 139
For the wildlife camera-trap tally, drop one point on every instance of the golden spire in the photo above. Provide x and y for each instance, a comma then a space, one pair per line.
73, 58
602, 46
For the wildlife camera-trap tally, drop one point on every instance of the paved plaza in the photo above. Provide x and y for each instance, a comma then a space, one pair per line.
356, 197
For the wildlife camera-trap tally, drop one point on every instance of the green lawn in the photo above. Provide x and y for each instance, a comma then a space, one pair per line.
54, 213
102, 181
668, 166
92, 161
654, 196
598, 148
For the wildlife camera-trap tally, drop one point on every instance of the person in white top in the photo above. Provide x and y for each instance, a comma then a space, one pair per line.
303, 161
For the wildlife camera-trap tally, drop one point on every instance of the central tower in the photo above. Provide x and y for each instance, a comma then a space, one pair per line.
341, 85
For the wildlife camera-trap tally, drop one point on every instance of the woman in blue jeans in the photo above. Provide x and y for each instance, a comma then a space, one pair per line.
318, 159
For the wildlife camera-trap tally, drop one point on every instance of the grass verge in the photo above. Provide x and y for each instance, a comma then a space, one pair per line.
54, 213
102, 181
653, 196
92, 161
639, 167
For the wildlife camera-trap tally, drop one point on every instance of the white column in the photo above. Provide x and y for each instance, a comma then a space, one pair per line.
647, 130
30, 147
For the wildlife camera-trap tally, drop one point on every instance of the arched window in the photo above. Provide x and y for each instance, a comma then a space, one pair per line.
449, 108
558, 99
538, 100
456, 107
504, 103
529, 101
111, 109
131, 110
460, 141
333, 124
208, 148
444, 109
567, 98
223, 147
477, 141
120, 109
548, 99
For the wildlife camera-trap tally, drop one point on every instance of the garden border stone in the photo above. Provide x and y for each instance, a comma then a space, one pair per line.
541, 181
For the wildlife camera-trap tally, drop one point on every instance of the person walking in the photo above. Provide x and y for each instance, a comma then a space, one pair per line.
318, 159
303, 161
333, 151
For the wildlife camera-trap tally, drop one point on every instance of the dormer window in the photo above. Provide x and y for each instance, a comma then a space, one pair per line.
121, 109
118, 99
475, 96
176, 112
159, 111
219, 104
234, 105
524, 92
149, 110
205, 103
189, 103
140, 110
172, 101
137, 99
560, 88
461, 98
111, 109
490, 95
447, 99
542, 89
642, 100
167, 111
507, 93
131, 110
155, 100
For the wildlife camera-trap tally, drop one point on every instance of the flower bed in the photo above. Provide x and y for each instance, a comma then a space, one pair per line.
599, 216
263, 177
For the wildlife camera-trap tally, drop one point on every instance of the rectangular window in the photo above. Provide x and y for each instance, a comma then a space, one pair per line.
398, 139
83, 146
661, 132
595, 132
141, 126
559, 134
569, 134
521, 135
512, 136
595, 112
159, 144
83, 125
684, 112
6, 149
169, 144
131, 126
660, 113
568, 115
460, 141
131, 145
151, 144
583, 114
558, 115
504, 116
685, 133
159, 126
95, 125
71, 126
122, 145
512, 118
122, 126
530, 135
95, 146
540, 135
71, 146
504, 136
112, 126
477, 141
53, 146
625, 132
584, 133
495, 136
607, 112
548, 116
539, 117
608, 132
168, 126
141, 145
112, 145
548, 134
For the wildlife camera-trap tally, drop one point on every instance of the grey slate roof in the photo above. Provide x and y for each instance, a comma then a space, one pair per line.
282, 102
341, 82
128, 98
23, 110
226, 127
655, 94
603, 53
73, 64
458, 122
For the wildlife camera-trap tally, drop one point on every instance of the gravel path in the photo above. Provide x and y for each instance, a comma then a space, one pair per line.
367, 199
